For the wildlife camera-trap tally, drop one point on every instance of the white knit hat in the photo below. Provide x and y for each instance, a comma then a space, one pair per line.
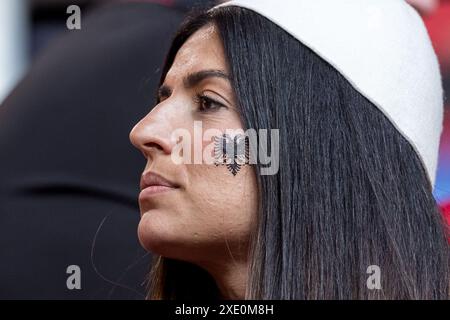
383, 49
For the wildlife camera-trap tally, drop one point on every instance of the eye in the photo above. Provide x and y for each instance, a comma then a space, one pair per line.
206, 103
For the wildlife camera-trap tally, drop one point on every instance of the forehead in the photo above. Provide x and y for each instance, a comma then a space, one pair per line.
202, 51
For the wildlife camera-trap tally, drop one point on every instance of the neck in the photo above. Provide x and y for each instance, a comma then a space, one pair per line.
230, 276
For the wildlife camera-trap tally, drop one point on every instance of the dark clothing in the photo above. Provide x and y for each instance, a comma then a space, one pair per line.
66, 162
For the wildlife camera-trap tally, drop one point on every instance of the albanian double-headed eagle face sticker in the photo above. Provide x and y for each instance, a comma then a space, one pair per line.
232, 152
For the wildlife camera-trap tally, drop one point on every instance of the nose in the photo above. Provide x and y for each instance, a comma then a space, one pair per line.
151, 135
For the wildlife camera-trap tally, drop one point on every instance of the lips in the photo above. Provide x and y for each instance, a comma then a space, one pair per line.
152, 184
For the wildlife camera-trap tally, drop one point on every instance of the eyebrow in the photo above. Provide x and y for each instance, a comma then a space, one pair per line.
195, 78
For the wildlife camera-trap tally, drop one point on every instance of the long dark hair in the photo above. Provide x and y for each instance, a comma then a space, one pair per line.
351, 192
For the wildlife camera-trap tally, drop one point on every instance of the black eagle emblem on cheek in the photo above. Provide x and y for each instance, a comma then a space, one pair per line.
231, 152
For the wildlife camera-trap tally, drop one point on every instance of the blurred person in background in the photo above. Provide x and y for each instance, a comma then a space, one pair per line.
68, 174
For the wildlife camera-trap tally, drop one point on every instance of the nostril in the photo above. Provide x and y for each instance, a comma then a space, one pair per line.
153, 145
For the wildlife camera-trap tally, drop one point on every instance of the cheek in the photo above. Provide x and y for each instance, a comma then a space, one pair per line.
222, 204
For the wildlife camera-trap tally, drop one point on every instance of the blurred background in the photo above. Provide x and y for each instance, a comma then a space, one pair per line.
438, 24
36, 52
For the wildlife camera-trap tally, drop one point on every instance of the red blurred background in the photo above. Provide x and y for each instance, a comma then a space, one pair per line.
438, 24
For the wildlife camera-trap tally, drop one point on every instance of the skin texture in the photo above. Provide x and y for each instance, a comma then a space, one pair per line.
208, 219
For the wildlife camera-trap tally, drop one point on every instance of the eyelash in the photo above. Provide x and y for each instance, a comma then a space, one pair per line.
200, 99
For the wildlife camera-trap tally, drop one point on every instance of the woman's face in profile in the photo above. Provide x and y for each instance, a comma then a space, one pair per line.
206, 211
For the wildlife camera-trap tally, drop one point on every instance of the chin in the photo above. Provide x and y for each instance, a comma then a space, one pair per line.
167, 242
157, 235
152, 235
